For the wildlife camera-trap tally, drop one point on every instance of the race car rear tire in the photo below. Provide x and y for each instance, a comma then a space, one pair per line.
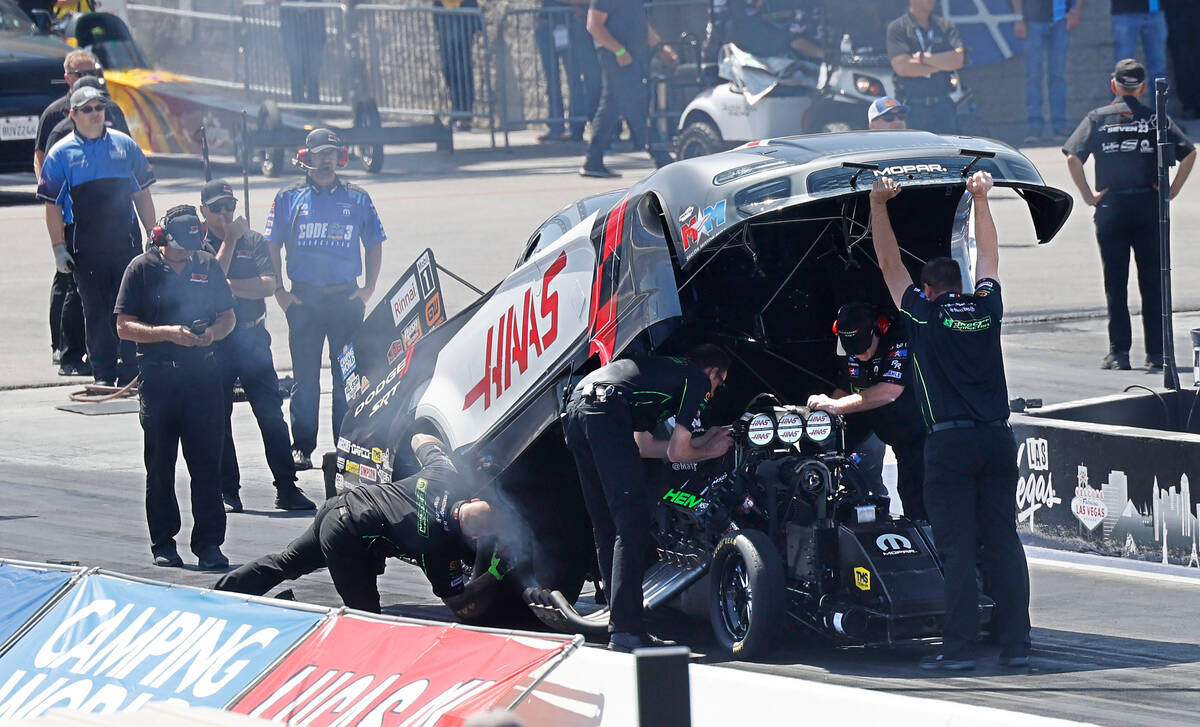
699, 138
270, 119
366, 116
747, 594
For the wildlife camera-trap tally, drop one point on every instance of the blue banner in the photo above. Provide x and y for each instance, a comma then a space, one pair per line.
112, 645
23, 591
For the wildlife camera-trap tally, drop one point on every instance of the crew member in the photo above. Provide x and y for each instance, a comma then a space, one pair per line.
608, 427
758, 29
623, 42
175, 304
421, 518
96, 178
245, 353
113, 117
1123, 138
887, 114
925, 51
879, 388
970, 454
320, 221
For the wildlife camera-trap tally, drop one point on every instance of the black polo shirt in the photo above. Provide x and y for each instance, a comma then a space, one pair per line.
416, 518
627, 23
1120, 7
155, 294
656, 388
1044, 11
900, 421
1123, 136
250, 260
955, 348
905, 37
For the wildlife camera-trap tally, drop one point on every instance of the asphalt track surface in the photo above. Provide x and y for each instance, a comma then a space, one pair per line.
1112, 647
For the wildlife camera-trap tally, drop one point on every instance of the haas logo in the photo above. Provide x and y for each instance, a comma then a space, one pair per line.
894, 544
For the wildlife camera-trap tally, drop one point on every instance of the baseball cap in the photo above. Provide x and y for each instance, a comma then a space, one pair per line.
215, 191
855, 327
96, 82
183, 232
1129, 73
83, 95
883, 105
322, 139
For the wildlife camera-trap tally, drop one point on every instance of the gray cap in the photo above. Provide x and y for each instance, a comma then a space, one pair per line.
83, 95
95, 82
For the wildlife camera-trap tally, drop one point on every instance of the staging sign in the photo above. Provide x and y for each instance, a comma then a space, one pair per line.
104, 648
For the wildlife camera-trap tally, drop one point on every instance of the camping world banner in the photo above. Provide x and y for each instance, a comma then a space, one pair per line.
22, 592
105, 648
359, 671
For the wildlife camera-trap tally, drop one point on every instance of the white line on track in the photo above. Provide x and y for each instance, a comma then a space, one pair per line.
1111, 566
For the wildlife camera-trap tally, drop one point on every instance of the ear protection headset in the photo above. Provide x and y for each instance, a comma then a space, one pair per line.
158, 232
304, 157
880, 327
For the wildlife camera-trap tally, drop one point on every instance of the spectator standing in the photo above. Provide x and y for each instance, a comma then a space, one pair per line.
562, 38
925, 51
886, 113
245, 354
320, 221
1045, 26
456, 34
95, 179
175, 304
1183, 43
1141, 19
623, 40
303, 32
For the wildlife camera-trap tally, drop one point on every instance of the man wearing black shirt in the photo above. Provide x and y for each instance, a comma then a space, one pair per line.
421, 518
1122, 136
246, 353
878, 388
970, 454
608, 427
925, 50
175, 304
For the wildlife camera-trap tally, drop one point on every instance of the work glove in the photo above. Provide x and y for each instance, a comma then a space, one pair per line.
62, 259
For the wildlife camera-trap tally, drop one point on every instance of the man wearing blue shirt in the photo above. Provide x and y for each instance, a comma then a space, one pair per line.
96, 178
320, 221
1144, 19
1045, 26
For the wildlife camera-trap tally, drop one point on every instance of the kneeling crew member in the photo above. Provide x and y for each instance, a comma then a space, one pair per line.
175, 304
417, 518
877, 367
970, 454
608, 425
246, 353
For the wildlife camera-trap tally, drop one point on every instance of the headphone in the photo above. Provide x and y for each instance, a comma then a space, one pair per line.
158, 232
304, 158
880, 327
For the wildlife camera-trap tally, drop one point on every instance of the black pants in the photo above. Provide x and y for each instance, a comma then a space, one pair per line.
623, 94
938, 115
330, 541
327, 313
456, 34
971, 496
246, 354
1125, 222
66, 319
98, 277
1183, 46
600, 437
910, 477
303, 32
183, 406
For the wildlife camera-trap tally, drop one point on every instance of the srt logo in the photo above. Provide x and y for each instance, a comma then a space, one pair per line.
894, 544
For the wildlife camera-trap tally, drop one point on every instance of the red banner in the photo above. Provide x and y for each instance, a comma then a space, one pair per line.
359, 671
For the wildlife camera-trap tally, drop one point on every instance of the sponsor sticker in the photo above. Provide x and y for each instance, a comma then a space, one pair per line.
199, 278
411, 333
791, 428
352, 467
405, 298
353, 384
376, 455
819, 426
395, 351
895, 544
1088, 504
862, 578
366, 473
433, 310
347, 360
761, 430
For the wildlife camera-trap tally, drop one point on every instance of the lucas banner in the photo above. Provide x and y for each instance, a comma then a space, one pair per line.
22, 592
359, 671
105, 648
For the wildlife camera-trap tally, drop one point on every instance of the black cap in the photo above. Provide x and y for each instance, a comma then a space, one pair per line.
322, 139
856, 327
183, 232
215, 191
1129, 73
96, 82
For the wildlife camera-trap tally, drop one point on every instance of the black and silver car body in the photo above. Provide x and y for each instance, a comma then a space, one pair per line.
31, 78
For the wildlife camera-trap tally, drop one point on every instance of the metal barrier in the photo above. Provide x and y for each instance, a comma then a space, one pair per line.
295, 52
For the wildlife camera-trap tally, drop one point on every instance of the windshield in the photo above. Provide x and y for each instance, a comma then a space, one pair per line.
13, 19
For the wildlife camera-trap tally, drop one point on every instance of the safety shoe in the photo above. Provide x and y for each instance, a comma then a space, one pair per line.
1154, 363
293, 499
106, 382
598, 171
75, 368
939, 662
233, 501
626, 642
301, 460
167, 558
211, 558
1016, 658
1116, 361
56, 356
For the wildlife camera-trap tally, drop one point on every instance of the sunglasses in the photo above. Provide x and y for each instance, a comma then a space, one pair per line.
90, 109
224, 206
94, 72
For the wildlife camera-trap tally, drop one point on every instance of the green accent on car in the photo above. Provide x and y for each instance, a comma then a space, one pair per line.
680, 497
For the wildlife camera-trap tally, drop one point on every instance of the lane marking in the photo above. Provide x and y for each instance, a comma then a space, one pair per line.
1112, 570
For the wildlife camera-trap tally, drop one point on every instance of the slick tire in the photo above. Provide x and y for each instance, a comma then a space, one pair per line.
747, 594
699, 138
366, 116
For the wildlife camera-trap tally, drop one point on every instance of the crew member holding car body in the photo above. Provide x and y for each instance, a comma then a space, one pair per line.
245, 353
1122, 136
420, 518
608, 427
320, 221
97, 178
970, 453
925, 50
879, 389
175, 304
